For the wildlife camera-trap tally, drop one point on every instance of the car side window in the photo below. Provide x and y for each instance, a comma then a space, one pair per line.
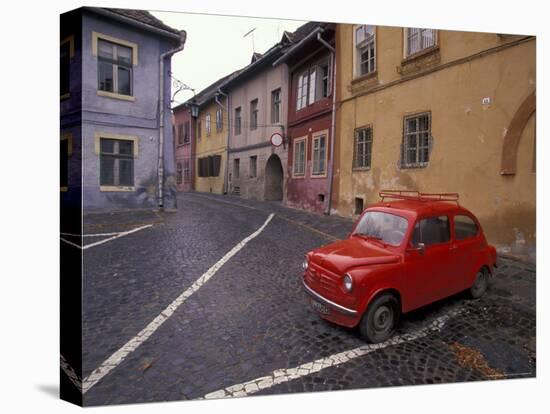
432, 230
465, 227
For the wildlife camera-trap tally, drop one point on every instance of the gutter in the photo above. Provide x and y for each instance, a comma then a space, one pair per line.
132, 22
160, 167
333, 120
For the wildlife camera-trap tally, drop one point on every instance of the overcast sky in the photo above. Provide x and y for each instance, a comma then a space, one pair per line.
215, 45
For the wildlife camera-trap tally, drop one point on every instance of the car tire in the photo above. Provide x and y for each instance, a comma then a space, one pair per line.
380, 320
480, 285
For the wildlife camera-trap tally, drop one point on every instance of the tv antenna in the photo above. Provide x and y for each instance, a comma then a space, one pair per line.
251, 32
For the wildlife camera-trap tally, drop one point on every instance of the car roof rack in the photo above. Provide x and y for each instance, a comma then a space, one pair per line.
417, 196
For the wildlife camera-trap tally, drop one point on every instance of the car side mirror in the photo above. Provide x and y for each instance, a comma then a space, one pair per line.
420, 248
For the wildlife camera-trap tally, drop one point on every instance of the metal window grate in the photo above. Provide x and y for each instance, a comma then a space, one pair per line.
363, 148
420, 39
416, 141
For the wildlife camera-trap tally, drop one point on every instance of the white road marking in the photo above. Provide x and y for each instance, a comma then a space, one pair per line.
287, 374
71, 243
91, 235
116, 235
121, 234
70, 372
114, 360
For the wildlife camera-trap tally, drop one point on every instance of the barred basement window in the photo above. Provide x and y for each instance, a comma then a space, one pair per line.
179, 173
116, 162
419, 39
238, 121
363, 148
416, 141
114, 68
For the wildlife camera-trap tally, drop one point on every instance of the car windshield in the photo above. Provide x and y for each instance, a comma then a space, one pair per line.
386, 227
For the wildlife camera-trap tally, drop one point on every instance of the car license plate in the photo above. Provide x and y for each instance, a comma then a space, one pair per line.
319, 307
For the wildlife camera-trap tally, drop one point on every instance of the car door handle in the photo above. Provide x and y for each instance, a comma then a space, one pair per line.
453, 247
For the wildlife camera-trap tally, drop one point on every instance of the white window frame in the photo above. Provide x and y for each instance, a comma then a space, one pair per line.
296, 143
316, 158
301, 91
361, 44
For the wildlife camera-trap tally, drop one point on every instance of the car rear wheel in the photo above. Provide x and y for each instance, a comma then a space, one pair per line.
381, 318
480, 284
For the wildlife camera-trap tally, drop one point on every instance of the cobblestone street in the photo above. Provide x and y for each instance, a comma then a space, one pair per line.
246, 327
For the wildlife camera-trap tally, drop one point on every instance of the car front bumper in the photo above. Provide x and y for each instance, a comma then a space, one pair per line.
328, 303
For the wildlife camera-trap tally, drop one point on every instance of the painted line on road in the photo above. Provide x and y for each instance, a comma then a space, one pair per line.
71, 243
287, 374
114, 360
70, 372
97, 243
114, 233
297, 223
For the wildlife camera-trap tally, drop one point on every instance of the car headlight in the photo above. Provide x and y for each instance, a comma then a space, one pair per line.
305, 264
348, 282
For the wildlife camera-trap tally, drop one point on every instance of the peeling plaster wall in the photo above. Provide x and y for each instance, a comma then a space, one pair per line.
258, 87
467, 134
134, 118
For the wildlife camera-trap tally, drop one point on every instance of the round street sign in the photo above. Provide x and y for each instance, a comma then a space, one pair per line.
276, 139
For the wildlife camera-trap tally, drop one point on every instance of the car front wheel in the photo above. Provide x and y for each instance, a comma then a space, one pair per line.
480, 284
381, 318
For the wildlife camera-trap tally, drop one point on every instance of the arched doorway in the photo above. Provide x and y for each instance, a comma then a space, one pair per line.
274, 179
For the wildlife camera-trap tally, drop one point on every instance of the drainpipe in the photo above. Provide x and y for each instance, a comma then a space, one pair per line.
228, 106
160, 167
332, 127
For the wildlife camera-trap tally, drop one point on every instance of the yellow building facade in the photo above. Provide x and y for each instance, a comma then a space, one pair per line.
211, 128
439, 111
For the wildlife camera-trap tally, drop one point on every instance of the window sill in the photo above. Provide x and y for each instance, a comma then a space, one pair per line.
420, 60
116, 188
116, 96
299, 177
362, 78
360, 169
65, 96
318, 175
413, 166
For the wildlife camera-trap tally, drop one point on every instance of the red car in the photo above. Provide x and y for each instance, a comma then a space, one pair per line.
406, 251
